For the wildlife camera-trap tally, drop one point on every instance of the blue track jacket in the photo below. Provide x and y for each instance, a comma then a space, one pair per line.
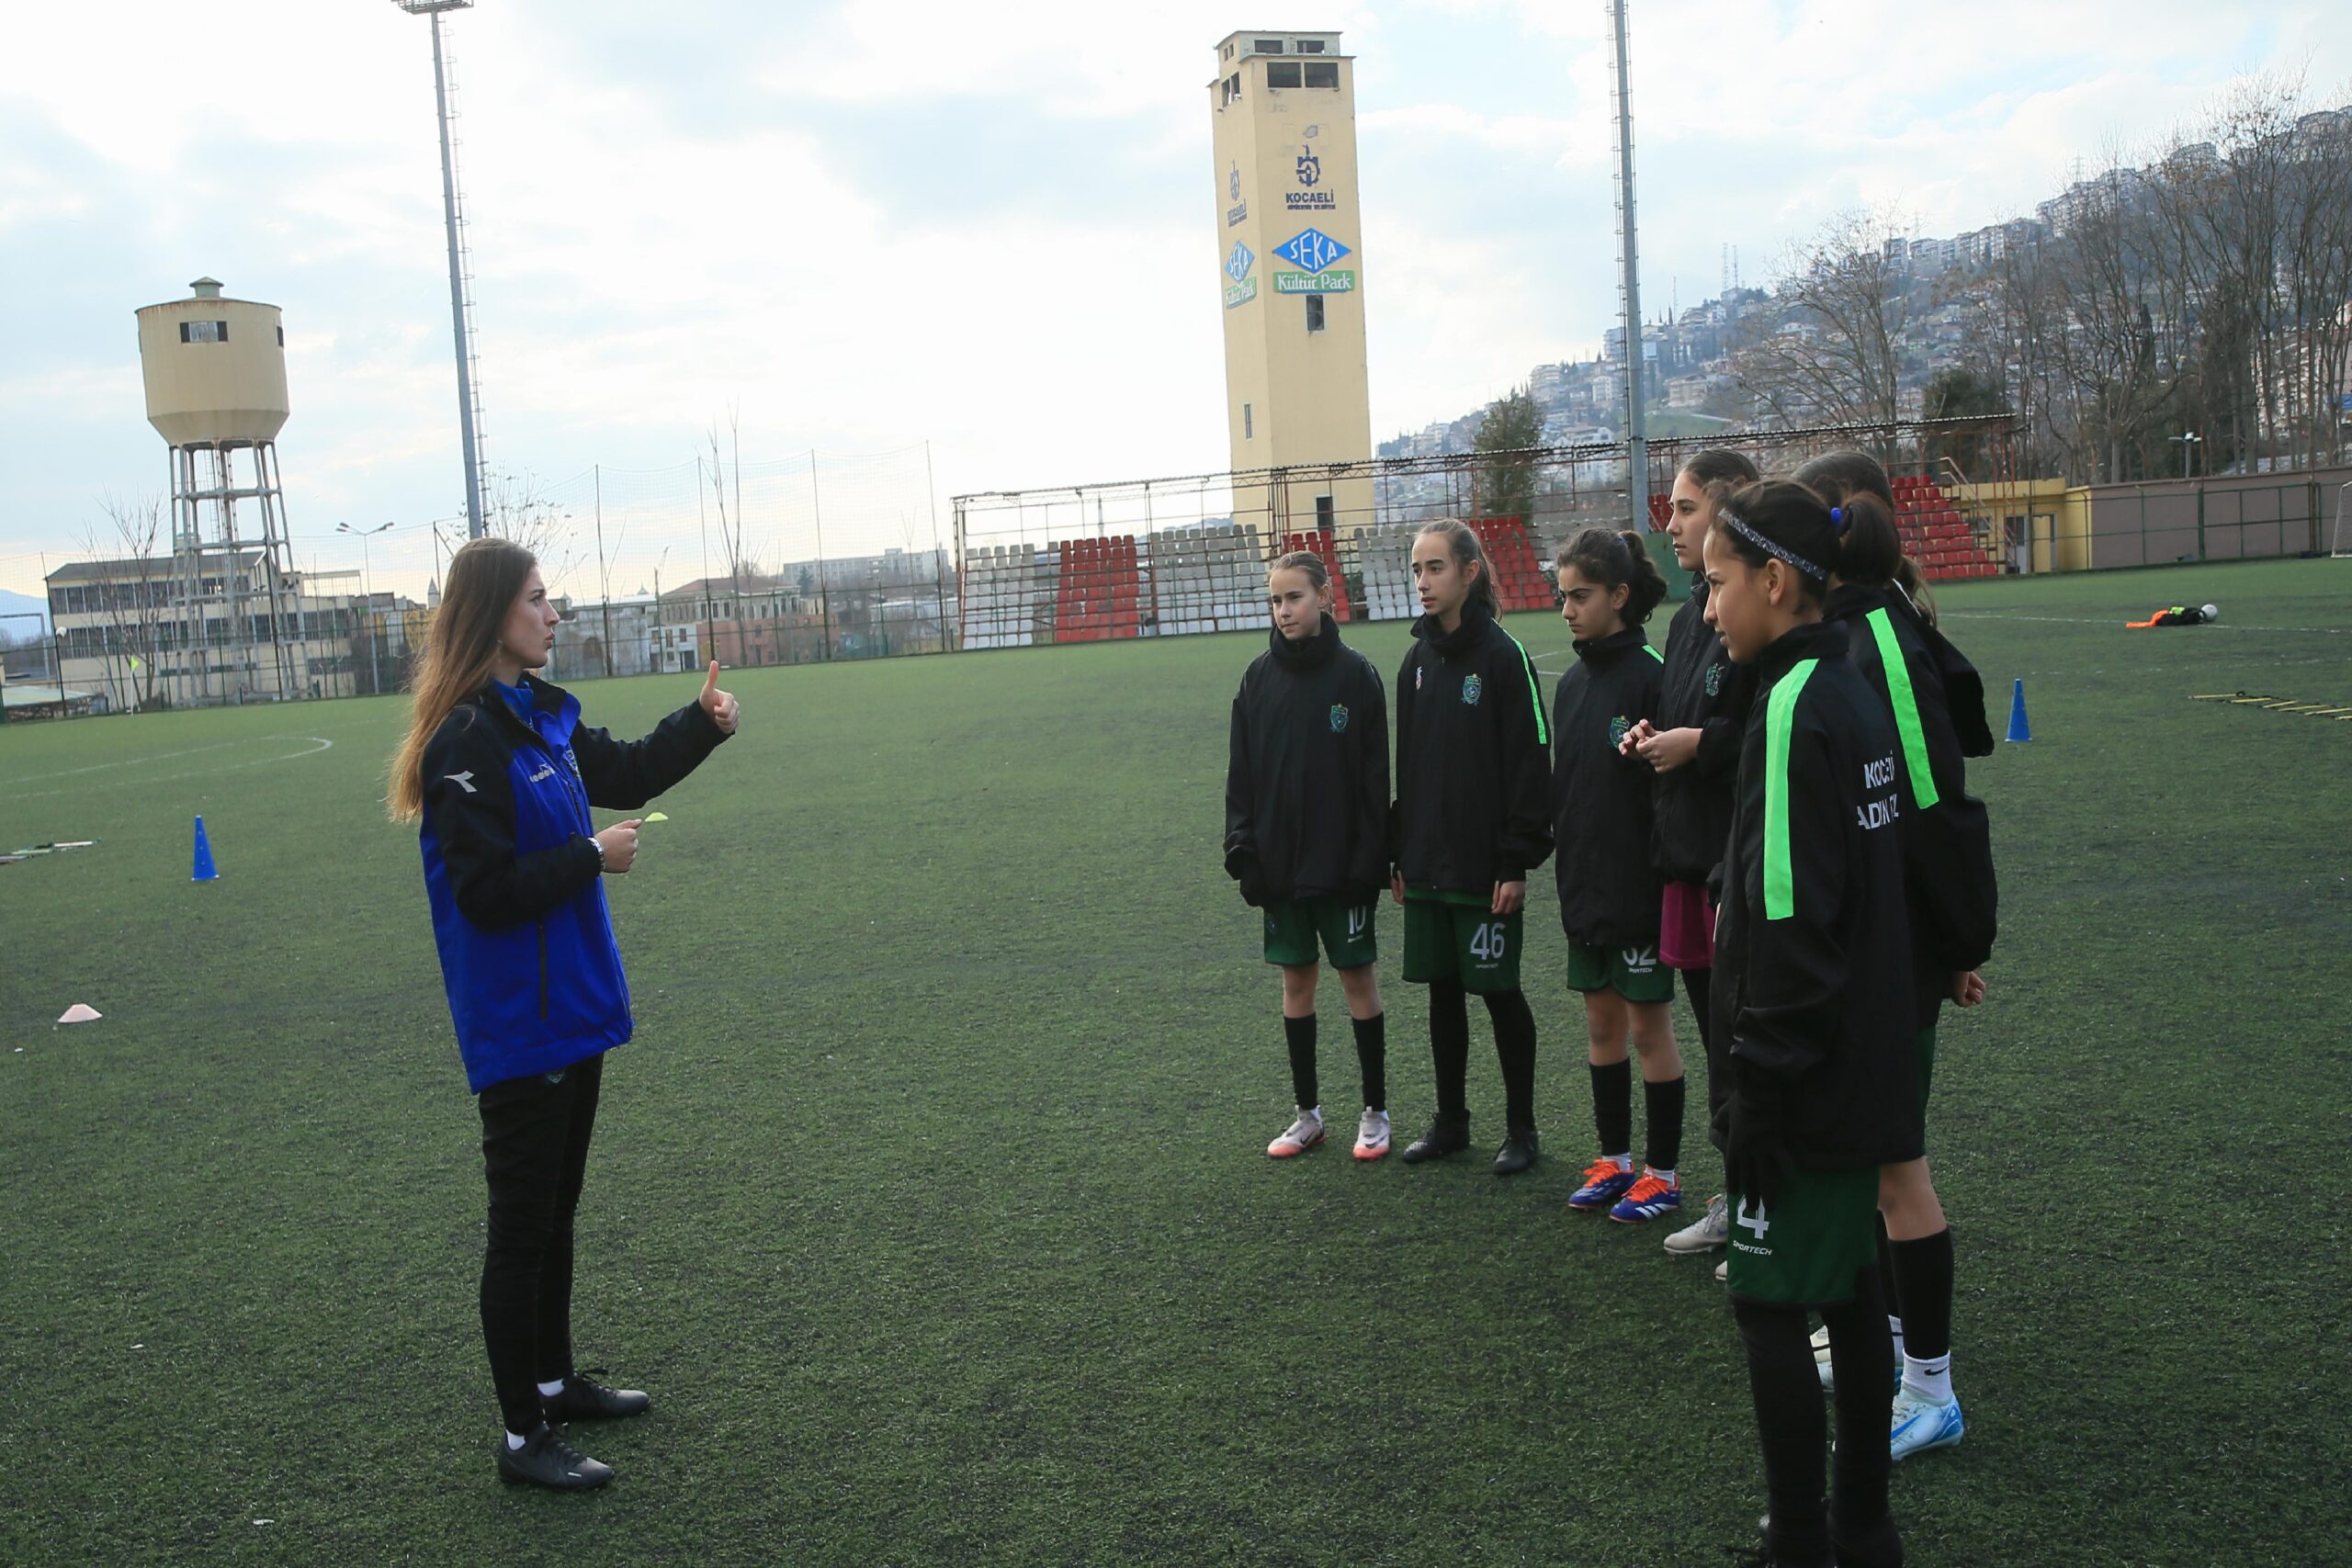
527, 953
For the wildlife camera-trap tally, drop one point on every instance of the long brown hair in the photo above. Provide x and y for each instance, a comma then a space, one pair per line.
485, 579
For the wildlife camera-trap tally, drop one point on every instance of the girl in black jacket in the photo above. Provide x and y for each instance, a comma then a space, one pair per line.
1473, 819
1812, 1010
1307, 831
1938, 705
1693, 748
1609, 893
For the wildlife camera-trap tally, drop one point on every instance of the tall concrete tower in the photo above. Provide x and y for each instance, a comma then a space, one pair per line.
1290, 244
215, 372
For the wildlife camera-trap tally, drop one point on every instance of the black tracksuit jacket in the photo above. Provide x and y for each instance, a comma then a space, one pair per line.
1947, 836
1306, 774
1602, 802
1704, 691
1812, 974
1473, 770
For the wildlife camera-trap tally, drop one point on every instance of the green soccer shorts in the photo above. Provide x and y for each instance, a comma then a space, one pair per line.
1803, 1250
1293, 926
1634, 973
1449, 941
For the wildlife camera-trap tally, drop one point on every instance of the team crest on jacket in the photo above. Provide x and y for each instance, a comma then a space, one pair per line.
1617, 729
1418, 672
1714, 680
1339, 719
1470, 688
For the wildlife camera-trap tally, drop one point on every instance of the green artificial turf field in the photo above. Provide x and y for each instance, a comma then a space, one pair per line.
930, 1201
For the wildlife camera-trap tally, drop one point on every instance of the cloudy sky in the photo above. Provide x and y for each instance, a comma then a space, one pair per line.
992, 229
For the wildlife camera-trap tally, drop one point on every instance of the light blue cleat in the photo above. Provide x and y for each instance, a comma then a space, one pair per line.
1920, 1425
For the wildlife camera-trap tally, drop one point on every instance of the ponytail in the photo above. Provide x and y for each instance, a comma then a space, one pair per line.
1461, 542
1616, 560
1871, 550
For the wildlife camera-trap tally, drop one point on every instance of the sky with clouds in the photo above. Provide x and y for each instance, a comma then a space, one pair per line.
993, 229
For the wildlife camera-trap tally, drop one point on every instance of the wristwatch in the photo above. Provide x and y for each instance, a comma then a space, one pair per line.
599, 844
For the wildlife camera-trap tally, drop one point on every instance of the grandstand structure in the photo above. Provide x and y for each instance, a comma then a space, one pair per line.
1175, 555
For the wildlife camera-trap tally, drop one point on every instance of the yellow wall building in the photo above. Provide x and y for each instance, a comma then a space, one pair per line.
1290, 244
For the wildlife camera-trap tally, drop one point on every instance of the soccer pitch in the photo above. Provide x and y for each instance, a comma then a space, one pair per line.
929, 1203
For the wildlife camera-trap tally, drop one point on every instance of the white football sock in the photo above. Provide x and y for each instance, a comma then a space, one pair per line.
1624, 1161
549, 1390
1666, 1175
514, 1442
1928, 1380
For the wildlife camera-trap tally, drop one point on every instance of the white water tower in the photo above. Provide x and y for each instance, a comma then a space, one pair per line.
215, 370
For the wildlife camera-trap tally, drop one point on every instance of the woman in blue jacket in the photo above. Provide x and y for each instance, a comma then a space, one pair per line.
502, 773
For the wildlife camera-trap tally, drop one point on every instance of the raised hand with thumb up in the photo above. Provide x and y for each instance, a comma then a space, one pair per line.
720, 705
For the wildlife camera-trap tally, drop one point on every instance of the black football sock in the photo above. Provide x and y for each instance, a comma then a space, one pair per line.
1449, 1047
1923, 1269
1662, 1105
1299, 1032
1862, 1357
1890, 1288
1372, 1058
1793, 1427
1514, 1024
1613, 1107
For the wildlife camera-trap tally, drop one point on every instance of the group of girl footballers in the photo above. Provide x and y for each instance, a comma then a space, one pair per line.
1775, 807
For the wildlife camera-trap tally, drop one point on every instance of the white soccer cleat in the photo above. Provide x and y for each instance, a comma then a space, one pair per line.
1299, 1136
1920, 1425
1372, 1135
1723, 1272
1710, 1231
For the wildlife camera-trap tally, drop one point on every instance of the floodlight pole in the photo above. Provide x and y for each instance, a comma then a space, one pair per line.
475, 526
1637, 457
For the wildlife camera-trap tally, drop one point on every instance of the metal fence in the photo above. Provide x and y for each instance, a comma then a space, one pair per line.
1188, 553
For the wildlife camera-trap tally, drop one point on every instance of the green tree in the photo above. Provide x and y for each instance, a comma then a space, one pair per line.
1505, 477
1960, 391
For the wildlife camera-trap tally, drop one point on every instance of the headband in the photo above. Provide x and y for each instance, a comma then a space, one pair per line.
1770, 547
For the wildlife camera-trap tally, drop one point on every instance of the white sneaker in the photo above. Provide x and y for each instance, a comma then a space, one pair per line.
1372, 1135
1723, 1272
1709, 1232
1299, 1136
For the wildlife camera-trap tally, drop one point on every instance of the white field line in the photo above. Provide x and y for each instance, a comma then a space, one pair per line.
129, 761
316, 744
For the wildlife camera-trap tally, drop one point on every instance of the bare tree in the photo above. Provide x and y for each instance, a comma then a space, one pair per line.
514, 509
1832, 346
134, 592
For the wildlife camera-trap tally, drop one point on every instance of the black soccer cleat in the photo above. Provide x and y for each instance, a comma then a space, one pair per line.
1446, 1137
1518, 1152
585, 1399
546, 1459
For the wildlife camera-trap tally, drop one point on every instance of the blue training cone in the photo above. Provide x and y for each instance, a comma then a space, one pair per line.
2019, 728
205, 871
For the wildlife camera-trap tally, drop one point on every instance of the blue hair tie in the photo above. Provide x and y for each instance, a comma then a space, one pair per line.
1837, 518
